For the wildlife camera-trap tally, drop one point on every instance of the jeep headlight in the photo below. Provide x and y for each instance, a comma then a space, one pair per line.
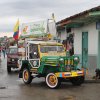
76, 60
34, 63
61, 60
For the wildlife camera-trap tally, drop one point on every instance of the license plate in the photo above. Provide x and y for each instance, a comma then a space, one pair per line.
74, 74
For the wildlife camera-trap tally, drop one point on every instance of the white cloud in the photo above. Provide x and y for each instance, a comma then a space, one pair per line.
32, 10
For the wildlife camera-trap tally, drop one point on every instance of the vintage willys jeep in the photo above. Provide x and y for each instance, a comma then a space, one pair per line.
49, 60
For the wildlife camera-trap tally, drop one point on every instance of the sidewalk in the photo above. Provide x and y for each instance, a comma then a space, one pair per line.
90, 79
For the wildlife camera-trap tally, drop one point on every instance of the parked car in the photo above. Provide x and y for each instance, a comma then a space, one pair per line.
12, 58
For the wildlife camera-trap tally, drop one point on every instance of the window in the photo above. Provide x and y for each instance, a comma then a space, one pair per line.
33, 51
13, 50
46, 49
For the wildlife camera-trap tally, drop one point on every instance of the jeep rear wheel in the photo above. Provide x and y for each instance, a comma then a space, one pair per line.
52, 81
27, 78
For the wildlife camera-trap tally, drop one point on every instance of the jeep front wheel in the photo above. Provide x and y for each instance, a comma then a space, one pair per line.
77, 80
27, 78
52, 81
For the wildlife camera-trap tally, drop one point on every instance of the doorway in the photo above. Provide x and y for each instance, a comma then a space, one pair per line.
85, 49
98, 56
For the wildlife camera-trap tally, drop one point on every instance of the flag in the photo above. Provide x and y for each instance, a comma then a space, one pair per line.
16, 31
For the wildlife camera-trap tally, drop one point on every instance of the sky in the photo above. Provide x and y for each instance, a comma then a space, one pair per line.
34, 10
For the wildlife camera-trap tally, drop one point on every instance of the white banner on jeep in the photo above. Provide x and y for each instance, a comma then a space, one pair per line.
34, 28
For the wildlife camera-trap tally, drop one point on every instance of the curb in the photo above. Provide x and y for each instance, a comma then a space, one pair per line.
92, 81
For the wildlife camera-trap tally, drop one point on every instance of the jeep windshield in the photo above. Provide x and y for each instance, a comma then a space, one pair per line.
46, 49
13, 50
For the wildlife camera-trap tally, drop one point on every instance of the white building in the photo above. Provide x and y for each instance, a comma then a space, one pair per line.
85, 28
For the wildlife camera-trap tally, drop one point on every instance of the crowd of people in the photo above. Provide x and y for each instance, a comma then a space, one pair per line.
68, 44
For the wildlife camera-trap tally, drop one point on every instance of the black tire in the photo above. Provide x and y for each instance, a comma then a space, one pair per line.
77, 80
54, 82
8, 69
27, 78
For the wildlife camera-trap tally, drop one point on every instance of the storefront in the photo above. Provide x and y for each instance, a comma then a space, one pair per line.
86, 36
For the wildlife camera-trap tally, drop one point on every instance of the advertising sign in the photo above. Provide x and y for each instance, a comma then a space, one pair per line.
34, 28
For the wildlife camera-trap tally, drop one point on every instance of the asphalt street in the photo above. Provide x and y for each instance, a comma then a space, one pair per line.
13, 88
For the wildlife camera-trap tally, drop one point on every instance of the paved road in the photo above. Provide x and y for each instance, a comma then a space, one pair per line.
13, 88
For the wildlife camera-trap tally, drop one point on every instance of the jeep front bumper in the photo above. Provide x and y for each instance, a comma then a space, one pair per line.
69, 74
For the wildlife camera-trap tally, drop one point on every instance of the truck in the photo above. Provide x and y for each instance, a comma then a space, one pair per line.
48, 59
12, 58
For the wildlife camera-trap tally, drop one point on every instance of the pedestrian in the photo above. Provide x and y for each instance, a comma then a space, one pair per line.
0, 54
4, 53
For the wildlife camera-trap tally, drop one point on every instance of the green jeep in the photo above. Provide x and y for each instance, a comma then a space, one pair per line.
49, 60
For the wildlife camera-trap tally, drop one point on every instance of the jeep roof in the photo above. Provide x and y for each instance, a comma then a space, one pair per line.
44, 42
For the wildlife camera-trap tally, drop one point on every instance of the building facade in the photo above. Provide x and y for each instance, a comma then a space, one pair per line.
85, 28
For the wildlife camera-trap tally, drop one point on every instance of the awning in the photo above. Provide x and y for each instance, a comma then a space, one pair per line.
81, 19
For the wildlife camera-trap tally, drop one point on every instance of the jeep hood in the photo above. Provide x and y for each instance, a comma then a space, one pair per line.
53, 59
